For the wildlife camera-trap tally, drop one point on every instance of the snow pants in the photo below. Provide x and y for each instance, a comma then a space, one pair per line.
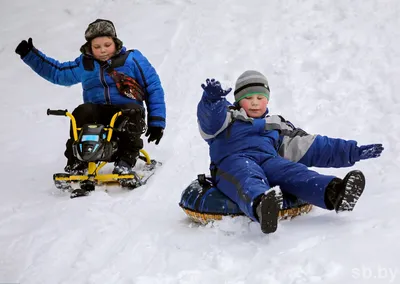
243, 178
129, 141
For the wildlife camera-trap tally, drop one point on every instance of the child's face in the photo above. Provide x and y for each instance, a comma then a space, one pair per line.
255, 105
103, 48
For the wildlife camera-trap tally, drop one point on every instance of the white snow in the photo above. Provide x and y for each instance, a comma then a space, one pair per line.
333, 69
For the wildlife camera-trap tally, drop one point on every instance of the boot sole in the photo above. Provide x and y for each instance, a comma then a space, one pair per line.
355, 184
79, 193
270, 208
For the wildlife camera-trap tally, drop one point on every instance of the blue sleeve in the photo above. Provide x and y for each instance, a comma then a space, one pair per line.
328, 152
155, 102
65, 74
212, 115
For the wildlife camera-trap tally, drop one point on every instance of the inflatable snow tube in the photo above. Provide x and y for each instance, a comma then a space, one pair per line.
203, 202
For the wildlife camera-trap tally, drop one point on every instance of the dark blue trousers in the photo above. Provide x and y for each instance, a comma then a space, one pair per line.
245, 177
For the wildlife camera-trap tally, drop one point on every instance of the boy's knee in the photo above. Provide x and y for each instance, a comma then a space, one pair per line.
134, 122
134, 112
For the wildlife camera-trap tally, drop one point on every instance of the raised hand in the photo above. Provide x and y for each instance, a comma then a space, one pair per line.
24, 47
213, 89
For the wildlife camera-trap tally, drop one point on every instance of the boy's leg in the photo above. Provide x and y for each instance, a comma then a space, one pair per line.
298, 180
132, 125
243, 181
327, 192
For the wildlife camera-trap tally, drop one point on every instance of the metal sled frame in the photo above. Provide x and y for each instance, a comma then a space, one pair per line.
93, 173
94, 167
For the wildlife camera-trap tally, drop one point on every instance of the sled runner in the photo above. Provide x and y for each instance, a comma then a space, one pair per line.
203, 202
93, 144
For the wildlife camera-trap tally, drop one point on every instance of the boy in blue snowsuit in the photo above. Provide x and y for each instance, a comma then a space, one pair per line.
113, 79
251, 153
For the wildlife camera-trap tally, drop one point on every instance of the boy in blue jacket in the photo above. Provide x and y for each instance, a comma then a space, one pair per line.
112, 79
251, 153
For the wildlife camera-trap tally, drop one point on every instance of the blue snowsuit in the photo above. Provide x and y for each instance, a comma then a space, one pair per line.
98, 86
251, 155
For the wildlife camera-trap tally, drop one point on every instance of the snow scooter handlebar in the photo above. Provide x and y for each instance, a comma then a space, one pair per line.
75, 129
59, 112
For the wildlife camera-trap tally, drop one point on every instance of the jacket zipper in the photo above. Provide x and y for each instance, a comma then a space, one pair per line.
106, 88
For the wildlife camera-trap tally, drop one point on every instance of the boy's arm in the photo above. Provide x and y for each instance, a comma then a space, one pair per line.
65, 74
322, 151
212, 110
331, 152
155, 100
336, 152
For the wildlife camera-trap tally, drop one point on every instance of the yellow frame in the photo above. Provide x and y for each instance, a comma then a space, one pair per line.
93, 168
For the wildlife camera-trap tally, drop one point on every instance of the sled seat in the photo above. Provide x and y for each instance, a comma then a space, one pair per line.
203, 202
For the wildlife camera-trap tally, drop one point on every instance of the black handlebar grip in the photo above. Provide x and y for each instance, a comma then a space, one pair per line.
57, 112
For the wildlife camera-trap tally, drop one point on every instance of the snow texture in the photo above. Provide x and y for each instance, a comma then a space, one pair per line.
333, 69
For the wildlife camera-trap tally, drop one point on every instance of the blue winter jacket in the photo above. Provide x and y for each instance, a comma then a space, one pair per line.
229, 130
98, 86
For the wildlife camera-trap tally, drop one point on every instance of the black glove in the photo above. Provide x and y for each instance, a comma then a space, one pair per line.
155, 133
24, 47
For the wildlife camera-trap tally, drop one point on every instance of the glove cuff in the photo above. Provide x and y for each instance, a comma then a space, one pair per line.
357, 155
27, 53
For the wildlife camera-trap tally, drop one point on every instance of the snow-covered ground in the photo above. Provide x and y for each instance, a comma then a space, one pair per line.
333, 68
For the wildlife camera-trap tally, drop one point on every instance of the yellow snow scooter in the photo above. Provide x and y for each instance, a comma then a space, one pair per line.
93, 143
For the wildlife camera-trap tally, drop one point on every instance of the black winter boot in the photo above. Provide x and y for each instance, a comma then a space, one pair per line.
342, 195
126, 163
267, 211
76, 167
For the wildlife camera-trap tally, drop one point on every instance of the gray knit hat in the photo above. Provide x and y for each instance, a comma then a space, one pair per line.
98, 28
249, 83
